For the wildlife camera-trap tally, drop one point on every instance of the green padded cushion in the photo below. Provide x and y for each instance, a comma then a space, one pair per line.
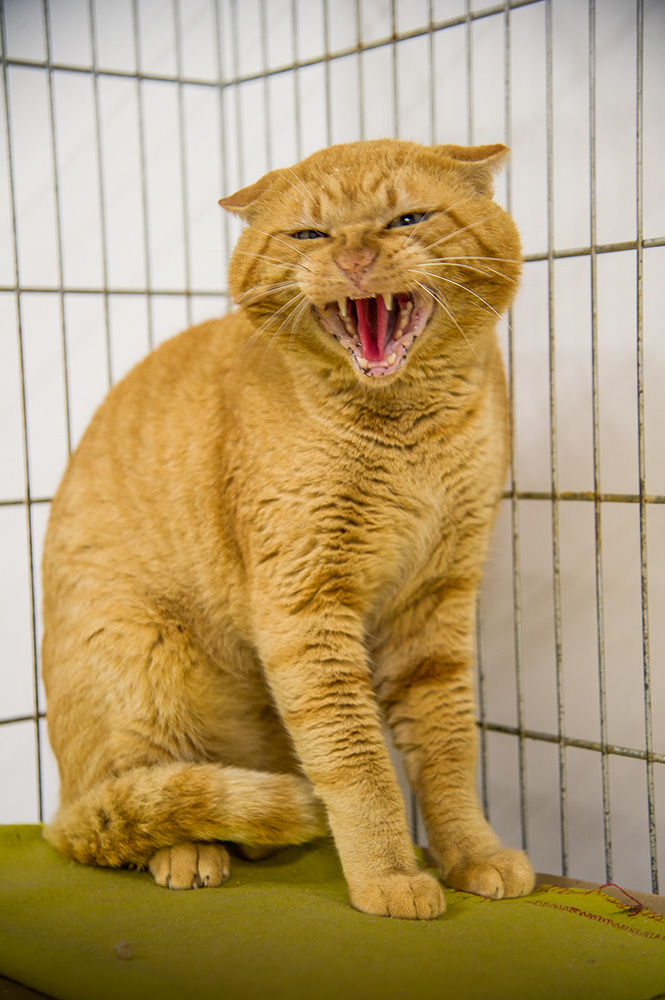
283, 929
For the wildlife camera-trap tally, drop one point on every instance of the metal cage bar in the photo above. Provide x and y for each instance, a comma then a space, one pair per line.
646, 646
26, 502
514, 503
600, 607
101, 186
554, 474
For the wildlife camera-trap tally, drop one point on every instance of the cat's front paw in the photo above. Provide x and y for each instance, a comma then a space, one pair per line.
503, 874
416, 896
190, 866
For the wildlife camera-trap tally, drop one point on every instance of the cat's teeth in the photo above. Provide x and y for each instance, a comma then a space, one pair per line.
342, 307
363, 362
404, 316
391, 359
388, 300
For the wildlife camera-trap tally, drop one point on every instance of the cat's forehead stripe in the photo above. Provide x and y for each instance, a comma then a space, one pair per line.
343, 189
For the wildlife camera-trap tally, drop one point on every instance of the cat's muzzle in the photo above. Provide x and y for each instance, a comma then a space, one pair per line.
378, 330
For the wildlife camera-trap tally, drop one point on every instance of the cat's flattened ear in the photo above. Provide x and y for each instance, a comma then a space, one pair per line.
479, 163
241, 202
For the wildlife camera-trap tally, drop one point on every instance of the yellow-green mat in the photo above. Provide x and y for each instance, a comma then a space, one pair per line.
282, 929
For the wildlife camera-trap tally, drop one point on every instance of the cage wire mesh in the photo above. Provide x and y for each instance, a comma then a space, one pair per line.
123, 123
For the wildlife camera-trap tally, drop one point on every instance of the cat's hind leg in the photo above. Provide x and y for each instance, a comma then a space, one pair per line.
196, 866
162, 750
190, 866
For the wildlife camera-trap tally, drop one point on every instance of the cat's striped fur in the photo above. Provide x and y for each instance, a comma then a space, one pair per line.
269, 541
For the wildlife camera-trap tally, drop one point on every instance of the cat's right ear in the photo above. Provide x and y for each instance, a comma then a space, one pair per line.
242, 201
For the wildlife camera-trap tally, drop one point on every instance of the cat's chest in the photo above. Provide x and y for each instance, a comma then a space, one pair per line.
364, 514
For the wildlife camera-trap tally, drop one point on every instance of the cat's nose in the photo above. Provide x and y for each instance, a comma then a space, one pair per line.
355, 263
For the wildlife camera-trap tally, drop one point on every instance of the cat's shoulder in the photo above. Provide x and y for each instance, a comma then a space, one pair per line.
217, 337
198, 354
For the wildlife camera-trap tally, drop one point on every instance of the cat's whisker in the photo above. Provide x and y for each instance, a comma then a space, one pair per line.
411, 236
448, 209
458, 232
256, 334
274, 236
257, 299
291, 319
293, 303
458, 284
409, 239
405, 162
274, 260
297, 314
486, 272
260, 256
254, 295
475, 256
525, 288
299, 185
450, 315
204, 329
275, 284
460, 201
274, 315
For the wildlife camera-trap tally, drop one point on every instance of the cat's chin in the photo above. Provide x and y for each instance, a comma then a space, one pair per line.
377, 330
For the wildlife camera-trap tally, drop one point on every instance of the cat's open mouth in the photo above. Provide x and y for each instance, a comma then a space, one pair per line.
377, 331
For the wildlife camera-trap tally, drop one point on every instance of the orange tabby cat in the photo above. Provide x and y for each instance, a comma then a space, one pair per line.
269, 542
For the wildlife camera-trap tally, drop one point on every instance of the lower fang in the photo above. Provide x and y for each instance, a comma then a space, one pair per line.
391, 359
404, 317
363, 362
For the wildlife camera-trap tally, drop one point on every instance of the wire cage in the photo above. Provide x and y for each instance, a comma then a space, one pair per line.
123, 122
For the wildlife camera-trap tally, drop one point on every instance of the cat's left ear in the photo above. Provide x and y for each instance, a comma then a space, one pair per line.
241, 202
478, 163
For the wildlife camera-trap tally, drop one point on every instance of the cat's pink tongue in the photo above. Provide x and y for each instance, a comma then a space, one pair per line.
372, 327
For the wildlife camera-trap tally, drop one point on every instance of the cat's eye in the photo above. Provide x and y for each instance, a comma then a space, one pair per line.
308, 234
410, 219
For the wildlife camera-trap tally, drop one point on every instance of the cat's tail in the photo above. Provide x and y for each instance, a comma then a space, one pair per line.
125, 819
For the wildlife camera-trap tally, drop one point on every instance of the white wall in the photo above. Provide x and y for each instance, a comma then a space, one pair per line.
126, 226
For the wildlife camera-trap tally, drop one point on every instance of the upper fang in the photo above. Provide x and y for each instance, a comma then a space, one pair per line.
342, 307
387, 300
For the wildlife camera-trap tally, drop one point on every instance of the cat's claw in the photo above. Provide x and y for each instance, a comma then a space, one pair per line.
504, 874
190, 866
416, 896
